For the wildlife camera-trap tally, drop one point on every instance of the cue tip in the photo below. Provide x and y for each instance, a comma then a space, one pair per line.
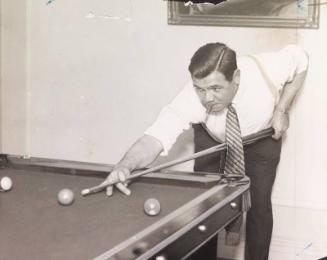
85, 192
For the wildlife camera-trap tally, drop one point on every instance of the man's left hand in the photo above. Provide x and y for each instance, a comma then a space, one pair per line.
280, 123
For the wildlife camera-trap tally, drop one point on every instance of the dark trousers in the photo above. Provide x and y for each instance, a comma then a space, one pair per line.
261, 160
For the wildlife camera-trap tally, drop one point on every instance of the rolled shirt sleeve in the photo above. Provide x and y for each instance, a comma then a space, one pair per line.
282, 66
177, 117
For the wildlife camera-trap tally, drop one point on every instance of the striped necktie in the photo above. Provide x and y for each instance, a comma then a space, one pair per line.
235, 155
234, 165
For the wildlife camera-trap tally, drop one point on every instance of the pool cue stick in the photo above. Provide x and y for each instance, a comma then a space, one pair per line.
246, 140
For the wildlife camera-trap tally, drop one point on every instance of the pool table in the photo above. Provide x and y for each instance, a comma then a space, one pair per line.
33, 225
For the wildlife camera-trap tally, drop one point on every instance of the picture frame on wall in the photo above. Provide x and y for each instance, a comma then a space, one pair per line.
248, 13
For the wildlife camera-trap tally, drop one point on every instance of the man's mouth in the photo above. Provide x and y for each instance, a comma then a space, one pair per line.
209, 106
213, 108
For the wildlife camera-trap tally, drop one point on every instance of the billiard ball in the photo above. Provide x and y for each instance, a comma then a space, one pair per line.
65, 197
152, 207
5, 183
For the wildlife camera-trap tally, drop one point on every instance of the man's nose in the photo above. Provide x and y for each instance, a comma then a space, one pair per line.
209, 96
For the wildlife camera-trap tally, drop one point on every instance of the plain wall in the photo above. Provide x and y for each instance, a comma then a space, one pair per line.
13, 76
82, 80
0, 76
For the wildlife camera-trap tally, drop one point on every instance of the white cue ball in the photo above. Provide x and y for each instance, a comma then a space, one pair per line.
65, 197
5, 183
152, 207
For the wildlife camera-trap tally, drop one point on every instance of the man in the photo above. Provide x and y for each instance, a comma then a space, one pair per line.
260, 90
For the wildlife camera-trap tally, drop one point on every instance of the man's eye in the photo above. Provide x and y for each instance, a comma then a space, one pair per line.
216, 88
200, 90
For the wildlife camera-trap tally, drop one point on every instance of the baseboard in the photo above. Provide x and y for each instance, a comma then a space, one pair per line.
281, 248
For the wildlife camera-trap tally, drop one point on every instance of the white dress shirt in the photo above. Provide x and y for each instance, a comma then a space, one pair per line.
254, 101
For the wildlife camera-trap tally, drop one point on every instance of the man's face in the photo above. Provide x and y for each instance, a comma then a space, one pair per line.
215, 92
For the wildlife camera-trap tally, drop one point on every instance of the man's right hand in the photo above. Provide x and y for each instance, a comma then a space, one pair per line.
142, 153
120, 175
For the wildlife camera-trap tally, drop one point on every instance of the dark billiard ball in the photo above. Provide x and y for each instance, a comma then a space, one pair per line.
152, 207
65, 197
5, 184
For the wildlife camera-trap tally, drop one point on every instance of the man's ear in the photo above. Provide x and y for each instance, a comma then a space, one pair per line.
237, 76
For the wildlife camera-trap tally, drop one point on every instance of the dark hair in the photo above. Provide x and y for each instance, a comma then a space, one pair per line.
213, 56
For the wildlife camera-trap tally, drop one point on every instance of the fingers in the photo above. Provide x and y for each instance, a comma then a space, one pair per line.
122, 176
109, 190
120, 186
278, 132
119, 178
123, 188
280, 123
277, 135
